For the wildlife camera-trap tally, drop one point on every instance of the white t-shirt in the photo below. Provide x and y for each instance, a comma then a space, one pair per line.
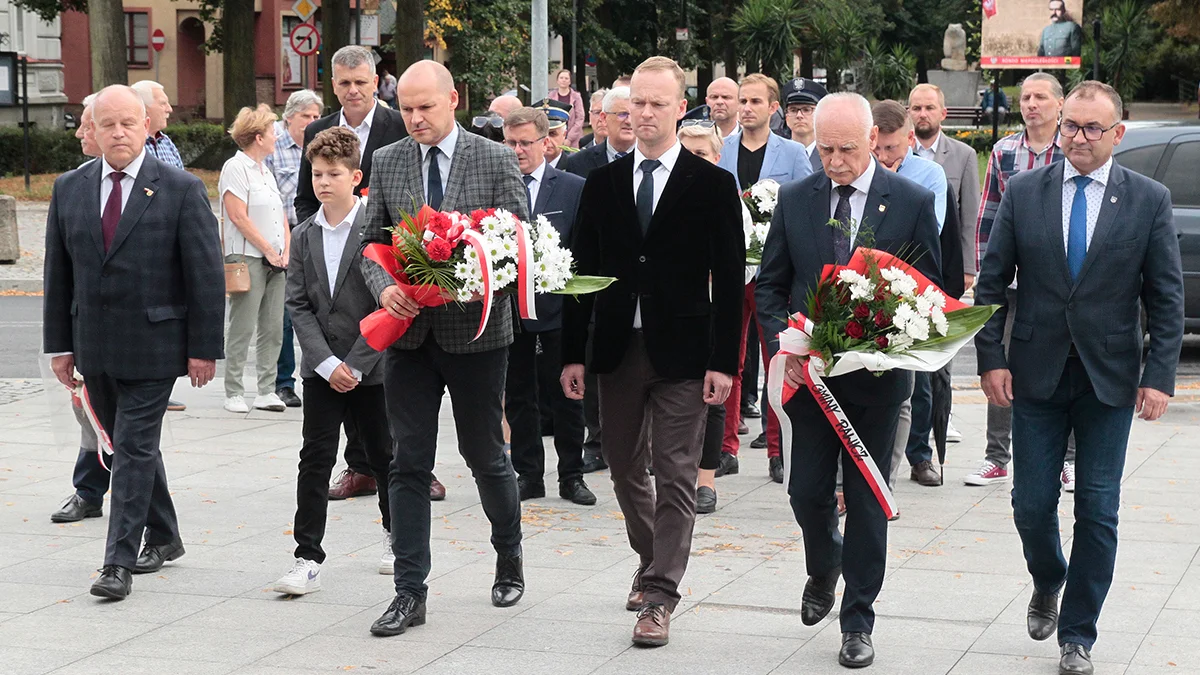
253, 183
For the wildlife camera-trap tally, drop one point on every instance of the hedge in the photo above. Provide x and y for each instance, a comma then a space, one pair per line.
979, 139
201, 145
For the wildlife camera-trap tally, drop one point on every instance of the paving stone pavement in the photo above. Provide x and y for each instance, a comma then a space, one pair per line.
953, 602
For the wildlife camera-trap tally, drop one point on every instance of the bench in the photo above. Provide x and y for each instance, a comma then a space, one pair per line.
968, 115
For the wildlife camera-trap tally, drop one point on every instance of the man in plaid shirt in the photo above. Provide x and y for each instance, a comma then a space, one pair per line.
1035, 147
158, 109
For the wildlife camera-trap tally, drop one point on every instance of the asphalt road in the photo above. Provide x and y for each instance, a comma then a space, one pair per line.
21, 341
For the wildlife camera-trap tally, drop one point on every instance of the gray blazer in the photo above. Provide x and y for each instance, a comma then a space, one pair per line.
961, 165
1132, 262
483, 175
327, 325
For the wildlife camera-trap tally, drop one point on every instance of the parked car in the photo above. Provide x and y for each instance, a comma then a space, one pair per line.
1169, 152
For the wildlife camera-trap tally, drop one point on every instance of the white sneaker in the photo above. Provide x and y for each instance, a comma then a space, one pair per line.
304, 578
236, 404
270, 402
387, 561
952, 435
1068, 476
987, 474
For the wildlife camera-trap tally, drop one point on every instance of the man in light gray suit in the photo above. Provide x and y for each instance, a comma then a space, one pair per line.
441, 165
1096, 245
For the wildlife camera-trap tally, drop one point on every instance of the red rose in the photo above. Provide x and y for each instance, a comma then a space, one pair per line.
882, 320
881, 342
861, 311
439, 249
855, 330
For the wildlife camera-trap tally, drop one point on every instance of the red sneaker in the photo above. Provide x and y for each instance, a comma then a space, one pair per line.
987, 474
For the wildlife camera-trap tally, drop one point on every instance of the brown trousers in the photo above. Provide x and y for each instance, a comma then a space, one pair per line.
659, 526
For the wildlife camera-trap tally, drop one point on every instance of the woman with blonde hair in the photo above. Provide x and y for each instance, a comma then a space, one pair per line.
256, 233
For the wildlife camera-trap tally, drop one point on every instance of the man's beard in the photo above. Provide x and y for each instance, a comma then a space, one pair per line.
926, 134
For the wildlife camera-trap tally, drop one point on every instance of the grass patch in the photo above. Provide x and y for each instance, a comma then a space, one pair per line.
42, 184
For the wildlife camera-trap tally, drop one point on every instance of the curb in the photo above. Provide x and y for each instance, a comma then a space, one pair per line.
29, 286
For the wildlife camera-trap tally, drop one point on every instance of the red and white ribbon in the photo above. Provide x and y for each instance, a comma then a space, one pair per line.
104, 442
794, 341
525, 292
476, 240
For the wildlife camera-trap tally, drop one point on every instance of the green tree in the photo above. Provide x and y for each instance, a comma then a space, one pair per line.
489, 50
766, 32
887, 73
1125, 51
106, 32
837, 31
1181, 18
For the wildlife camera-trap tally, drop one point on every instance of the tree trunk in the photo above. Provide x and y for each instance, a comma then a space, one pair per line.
237, 19
409, 34
335, 34
106, 29
730, 51
806, 62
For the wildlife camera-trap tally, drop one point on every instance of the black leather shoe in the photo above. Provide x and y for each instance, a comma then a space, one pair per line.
153, 557
760, 442
751, 411
1042, 618
530, 489
857, 650
289, 397
576, 490
115, 583
593, 462
74, 510
706, 499
776, 464
728, 465
406, 610
1076, 660
818, 598
510, 581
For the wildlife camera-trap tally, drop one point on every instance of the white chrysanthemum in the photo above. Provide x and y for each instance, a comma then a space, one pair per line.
899, 341
471, 255
938, 317
465, 270
848, 276
761, 230
504, 275
917, 329
862, 290
904, 315
924, 306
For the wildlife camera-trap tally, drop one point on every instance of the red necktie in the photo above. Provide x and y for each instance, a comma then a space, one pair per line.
112, 210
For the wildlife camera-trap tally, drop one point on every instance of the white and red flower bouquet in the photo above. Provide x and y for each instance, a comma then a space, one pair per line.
760, 200
876, 313
441, 257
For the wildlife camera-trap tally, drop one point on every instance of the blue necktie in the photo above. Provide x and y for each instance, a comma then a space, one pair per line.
434, 192
620, 154
528, 192
645, 193
1077, 235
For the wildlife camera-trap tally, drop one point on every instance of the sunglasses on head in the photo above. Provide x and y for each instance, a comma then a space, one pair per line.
703, 124
485, 120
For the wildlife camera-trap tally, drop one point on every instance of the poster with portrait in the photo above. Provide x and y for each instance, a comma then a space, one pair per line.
1031, 34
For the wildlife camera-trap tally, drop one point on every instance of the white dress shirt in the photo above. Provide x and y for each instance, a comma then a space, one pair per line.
334, 238
858, 200
1094, 193
930, 152
446, 146
363, 130
131, 172
536, 185
554, 162
661, 174
811, 148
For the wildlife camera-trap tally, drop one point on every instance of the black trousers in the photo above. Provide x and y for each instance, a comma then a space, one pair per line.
414, 380
325, 412
714, 435
132, 412
862, 554
532, 375
357, 455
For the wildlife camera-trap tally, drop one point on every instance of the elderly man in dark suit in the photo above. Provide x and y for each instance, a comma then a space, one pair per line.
441, 165
135, 298
1095, 245
899, 216
661, 221
535, 357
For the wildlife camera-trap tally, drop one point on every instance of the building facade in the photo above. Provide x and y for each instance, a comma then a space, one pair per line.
41, 42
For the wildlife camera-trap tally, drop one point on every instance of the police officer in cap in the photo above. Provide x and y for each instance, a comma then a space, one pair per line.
559, 114
800, 98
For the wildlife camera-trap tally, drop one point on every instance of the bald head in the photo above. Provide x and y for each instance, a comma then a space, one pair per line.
846, 136
721, 98
505, 105
427, 101
121, 125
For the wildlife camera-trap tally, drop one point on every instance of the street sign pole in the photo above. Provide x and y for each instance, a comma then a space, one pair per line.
25, 113
158, 40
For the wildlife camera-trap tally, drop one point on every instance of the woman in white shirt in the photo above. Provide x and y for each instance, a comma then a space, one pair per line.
255, 233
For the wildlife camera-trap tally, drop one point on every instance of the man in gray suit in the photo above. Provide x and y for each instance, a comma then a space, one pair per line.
1096, 245
441, 165
135, 298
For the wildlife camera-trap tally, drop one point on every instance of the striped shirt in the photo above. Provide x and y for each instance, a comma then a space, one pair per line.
164, 150
1010, 156
285, 164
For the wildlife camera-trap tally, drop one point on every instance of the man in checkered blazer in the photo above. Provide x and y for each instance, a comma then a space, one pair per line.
135, 298
442, 165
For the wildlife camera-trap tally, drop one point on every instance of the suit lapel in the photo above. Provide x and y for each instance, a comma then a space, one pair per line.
92, 180
1052, 217
316, 244
771, 156
379, 129
460, 163
413, 187
678, 181
144, 186
546, 191
1114, 198
623, 189
875, 211
350, 251
820, 215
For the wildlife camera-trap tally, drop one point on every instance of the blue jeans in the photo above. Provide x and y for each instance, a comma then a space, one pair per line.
918, 449
1039, 437
287, 356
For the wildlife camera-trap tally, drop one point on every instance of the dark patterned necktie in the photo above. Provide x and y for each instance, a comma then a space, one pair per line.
841, 235
645, 193
528, 192
434, 192
112, 210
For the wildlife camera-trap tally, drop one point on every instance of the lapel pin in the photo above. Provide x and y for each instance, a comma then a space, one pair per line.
882, 208
1113, 199
149, 192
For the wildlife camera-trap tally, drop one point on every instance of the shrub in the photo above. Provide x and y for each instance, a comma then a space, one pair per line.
979, 139
201, 145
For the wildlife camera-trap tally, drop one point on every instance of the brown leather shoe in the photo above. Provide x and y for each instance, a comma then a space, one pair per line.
350, 484
437, 491
924, 474
653, 628
637, 594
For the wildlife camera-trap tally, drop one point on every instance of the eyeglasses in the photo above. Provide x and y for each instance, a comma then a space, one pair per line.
485, 120
525, 145
596, 111
703, 124
1090, 132
801, 111
621, 115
